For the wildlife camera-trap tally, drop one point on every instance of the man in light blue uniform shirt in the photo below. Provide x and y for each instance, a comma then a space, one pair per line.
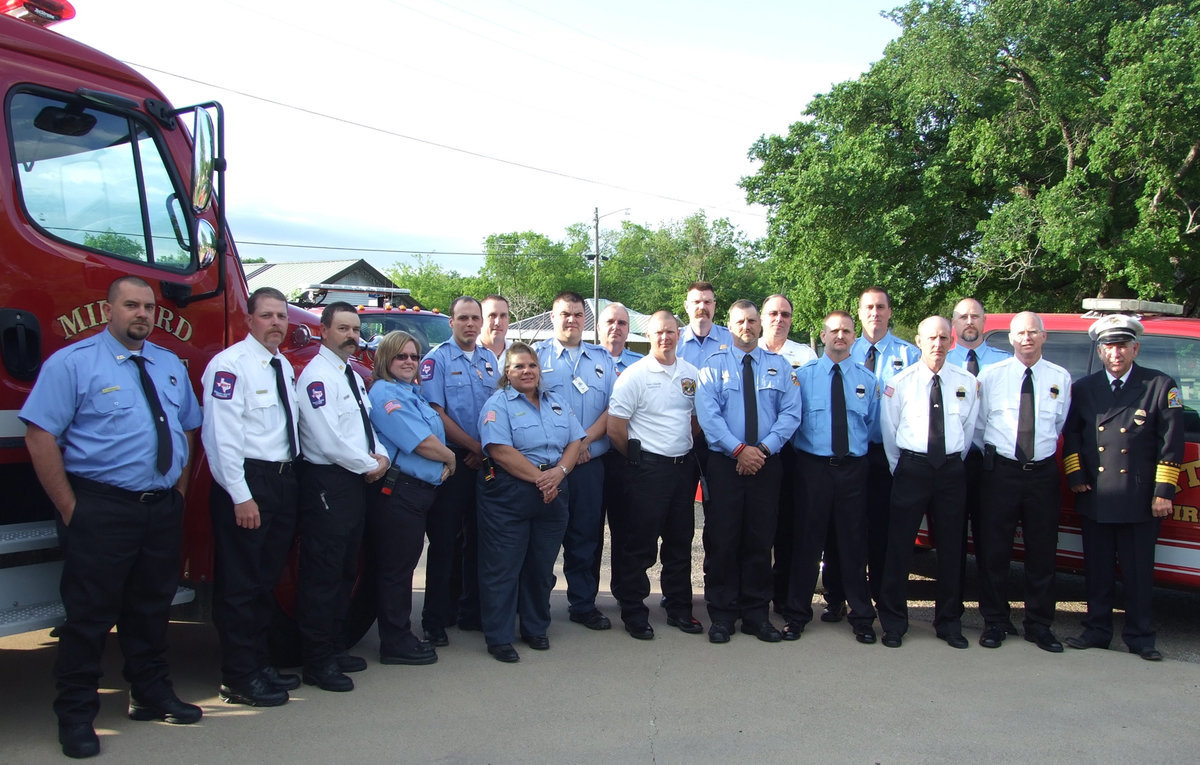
614, 329
746, 428
701, 337
582, 374
115, 463
457, 378
971, 353
831, 457
884, 354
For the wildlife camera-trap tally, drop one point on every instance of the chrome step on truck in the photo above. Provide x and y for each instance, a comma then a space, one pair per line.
29, 598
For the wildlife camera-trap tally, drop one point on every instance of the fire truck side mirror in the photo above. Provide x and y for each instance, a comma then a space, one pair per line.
202, 160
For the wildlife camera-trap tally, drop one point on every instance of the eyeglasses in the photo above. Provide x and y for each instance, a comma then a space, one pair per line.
407, 357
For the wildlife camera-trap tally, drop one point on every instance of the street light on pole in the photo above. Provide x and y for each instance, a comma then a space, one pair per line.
596, 271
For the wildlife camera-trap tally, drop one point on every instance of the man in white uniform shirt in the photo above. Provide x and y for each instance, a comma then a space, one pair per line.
651, 421
1023, 406
928, 421
341, 456
249, 433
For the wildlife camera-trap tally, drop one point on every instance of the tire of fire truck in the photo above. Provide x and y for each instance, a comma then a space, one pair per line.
283, 636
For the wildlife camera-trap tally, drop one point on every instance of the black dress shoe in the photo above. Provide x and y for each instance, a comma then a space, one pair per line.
421, 655
955, 640
865, 635
78, 740
168, 708
593, 620
719, 632
328, 677
993, 636
689, 624
257, 693
437, 636
792, 630
893, 639
348, 663
640, 630
1045, 640
1084, 641
834, 612
505, 653
537, 642
279, 680
764, 631
1150, 654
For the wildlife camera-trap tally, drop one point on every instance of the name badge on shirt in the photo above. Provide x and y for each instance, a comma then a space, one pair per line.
580, 385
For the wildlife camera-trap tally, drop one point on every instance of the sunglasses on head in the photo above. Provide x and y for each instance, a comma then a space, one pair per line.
407, 357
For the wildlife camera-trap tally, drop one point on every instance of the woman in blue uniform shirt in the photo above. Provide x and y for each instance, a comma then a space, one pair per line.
415, 440
532, 440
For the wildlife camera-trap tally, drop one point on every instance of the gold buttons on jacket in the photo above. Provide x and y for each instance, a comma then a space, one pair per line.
1122, 430
1101, 448
1101, 428
1101, 468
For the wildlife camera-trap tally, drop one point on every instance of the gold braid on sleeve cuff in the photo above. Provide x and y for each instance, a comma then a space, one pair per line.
1167, 472
1071, 464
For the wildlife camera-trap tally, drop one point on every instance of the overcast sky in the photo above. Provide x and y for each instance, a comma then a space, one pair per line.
425, 125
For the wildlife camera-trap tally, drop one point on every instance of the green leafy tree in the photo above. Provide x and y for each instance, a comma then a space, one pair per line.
1030, 153
431, 285
117, 244
530, 269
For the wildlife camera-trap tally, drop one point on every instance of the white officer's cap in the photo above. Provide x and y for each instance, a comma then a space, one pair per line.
1115, 328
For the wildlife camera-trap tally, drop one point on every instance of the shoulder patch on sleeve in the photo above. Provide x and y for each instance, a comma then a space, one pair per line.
316, 394
392, 406
888, 391
427, 367
489, 417
223, 383
1173, 401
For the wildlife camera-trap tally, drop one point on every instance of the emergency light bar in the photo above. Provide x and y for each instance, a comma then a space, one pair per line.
40, 13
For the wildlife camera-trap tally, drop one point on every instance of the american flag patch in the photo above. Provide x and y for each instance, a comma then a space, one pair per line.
888, 391
489, 417
392, 406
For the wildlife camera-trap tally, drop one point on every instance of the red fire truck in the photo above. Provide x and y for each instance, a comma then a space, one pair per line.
101, 176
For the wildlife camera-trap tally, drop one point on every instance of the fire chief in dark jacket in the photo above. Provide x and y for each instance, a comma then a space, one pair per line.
1123, 444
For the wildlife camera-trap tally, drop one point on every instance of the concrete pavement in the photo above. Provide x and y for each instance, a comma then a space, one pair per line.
604, 697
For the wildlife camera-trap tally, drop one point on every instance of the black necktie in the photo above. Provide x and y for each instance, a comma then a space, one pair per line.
837, 398
1025, 419
362, 410
163, 431
872, 356
972, 362
750, 401
286, 400
1116, 387
937, 425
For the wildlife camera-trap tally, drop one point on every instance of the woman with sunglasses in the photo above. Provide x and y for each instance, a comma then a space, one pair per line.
415, 439
532, 440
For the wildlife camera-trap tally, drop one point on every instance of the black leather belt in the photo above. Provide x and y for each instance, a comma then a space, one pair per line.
849, 459
413, 481
924, 456
271, 467
651, 457
1026, 466
108, 490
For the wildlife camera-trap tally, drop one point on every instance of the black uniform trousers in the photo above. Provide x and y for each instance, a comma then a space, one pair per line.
451, 563
917, 488
787, 543
333, 505
584, 535
248, 563
519, 538
661, 494
120, 567
879, 503
615, 495
397, 536
832, 502
739, 528
973, 465
1012, 493
1131, 545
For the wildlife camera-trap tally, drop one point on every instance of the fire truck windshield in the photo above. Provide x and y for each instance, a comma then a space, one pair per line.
97, 179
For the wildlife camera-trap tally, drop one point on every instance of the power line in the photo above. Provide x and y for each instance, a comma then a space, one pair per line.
439, 145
